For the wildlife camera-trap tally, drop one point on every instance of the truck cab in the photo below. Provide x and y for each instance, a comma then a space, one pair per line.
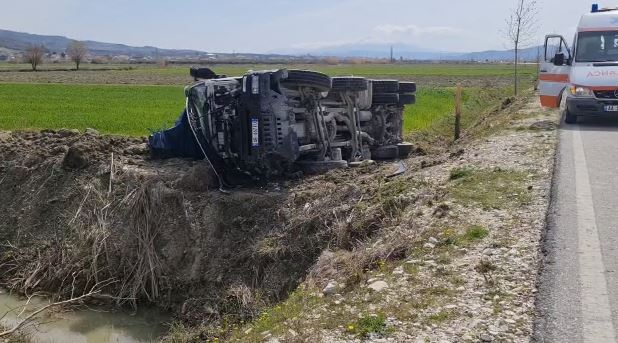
587, 73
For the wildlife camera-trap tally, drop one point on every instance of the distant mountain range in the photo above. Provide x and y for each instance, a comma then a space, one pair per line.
528, 54
411, 52
11, 41
19, 41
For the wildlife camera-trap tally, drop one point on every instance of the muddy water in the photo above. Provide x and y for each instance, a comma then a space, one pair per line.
86, 326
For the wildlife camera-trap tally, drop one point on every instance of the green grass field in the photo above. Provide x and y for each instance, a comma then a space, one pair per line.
431, 105
69, 99
130, 110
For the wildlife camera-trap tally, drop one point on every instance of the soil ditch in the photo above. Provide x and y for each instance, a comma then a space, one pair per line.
82, 209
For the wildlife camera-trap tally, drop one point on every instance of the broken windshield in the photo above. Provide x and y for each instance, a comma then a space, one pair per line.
597, 46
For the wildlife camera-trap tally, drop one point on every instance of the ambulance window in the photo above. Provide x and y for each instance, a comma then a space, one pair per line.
555, 45
597, 46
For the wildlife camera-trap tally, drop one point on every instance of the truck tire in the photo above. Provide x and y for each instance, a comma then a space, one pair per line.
387, 152
569, 117
306, 78
385, 86
386, 98
407, 99
353, 84
407, 87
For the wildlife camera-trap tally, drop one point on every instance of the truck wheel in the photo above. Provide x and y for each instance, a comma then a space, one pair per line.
386, 98
569, 117
306, 78
385, 86
387, 152
353, 84
407, 99
407, 87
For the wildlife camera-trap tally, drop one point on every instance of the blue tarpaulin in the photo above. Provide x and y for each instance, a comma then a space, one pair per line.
177, 141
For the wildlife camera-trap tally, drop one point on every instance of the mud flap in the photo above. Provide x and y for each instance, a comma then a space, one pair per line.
554, 71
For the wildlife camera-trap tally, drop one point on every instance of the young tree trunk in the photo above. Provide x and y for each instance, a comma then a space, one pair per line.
516, 69
77, 65
538, 69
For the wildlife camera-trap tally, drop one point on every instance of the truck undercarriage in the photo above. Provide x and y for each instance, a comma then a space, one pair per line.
271, 123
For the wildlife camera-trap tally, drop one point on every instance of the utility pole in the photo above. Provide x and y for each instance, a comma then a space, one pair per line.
392, 60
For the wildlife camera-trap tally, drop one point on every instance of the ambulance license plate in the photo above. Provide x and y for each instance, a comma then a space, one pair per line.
611, 108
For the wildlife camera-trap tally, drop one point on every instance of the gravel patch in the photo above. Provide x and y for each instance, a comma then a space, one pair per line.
475, 278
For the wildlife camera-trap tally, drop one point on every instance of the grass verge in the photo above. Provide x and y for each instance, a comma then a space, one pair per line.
430, 123
492, 189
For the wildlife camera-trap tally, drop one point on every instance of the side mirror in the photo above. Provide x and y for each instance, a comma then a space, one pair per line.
559, 59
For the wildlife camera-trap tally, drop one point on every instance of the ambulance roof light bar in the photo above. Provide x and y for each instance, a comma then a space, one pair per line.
597, 9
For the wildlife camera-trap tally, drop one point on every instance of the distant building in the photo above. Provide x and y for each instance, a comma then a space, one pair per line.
121, 58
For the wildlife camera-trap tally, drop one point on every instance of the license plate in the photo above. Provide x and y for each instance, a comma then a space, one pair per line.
611, 108
255, 133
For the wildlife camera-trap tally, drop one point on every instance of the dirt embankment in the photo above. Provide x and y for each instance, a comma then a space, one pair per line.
78, 209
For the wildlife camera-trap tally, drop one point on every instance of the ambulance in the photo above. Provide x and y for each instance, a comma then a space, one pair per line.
587, 74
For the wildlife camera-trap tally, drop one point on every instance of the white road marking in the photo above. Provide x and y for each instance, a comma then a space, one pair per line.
598, 326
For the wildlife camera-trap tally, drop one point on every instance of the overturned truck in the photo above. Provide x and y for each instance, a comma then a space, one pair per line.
270, 123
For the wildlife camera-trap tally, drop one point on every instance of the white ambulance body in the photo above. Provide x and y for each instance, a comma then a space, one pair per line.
587, 74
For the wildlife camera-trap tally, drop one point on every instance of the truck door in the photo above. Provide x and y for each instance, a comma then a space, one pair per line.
554, 70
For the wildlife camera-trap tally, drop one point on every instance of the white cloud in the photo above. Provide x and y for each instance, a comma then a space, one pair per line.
415, 30
388, 33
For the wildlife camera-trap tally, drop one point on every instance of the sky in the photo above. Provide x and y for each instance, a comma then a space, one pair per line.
263, 26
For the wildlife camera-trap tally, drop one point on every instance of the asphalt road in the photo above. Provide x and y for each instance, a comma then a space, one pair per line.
578, 294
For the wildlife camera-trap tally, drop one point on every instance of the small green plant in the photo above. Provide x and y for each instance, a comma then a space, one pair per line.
369, 324
460, 173
475, 233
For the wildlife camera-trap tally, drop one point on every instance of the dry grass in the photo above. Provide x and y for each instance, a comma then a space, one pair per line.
94, 252
142, 266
